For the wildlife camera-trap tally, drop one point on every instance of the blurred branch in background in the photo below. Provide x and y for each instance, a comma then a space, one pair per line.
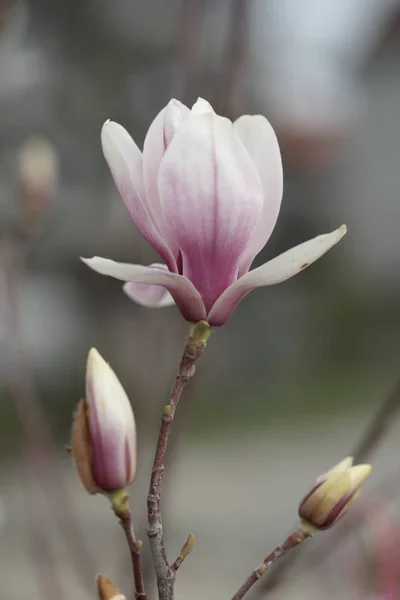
229, 100
187, 44
49, 495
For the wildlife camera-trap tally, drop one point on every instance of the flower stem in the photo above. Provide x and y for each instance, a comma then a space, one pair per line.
294, 539
194, 347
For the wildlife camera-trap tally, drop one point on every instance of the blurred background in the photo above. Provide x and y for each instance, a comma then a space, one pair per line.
286, 388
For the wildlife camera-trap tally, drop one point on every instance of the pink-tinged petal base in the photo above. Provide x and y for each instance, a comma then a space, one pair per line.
150, 296
186, 297
275, 271
211, 199
111, 424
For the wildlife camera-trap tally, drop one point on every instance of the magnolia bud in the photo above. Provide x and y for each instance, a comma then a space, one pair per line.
333, 494
38, 174
104, 431
107, 590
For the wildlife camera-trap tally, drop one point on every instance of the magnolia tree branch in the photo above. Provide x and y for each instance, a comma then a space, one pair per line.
164, 572
291, 542
379, 425
135, 547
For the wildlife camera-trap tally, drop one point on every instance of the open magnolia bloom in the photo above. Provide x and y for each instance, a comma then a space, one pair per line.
206, 194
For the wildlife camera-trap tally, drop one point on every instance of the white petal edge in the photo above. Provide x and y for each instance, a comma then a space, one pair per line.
201, 107
158, 137
260, 141
275, 271
125, 161
150, 296
186, 297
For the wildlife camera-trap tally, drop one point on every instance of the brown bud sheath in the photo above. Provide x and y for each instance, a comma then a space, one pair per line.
107, 590
81, 450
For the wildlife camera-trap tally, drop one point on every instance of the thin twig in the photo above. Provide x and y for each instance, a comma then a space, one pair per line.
291, 542
164, 573
379, 426
135, 547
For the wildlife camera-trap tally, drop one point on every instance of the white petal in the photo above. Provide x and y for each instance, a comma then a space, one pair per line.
260, 141
275, 271
151, 296
201, 107
175, 114
159, 135
125, 161
186, 297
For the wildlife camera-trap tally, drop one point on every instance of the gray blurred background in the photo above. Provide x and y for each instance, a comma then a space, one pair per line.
287, 386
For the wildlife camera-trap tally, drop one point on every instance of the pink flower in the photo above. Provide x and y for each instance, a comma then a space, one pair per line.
206, 194
104, 431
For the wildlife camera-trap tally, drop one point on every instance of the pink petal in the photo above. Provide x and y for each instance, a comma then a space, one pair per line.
151, 296
159, 135
275, 271
125, 161
186, 297
211, 198
112, 426
260, 141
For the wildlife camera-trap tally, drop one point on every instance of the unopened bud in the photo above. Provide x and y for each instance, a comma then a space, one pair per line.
38, 175
333, 494
187, 547
104, 431
107, 590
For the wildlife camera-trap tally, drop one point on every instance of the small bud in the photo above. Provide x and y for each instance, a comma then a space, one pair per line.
38, 174
187, 546
107, 590
333, 494
104, 431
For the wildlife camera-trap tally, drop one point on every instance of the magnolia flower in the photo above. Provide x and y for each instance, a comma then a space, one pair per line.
333, 494
206, 194
104, 432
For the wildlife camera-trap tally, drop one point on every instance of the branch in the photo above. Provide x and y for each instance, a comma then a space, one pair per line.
295, 539
164, 572
135, 547
379, 425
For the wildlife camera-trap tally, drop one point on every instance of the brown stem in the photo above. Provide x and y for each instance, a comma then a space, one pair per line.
291, 542
165, 574
135, 547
